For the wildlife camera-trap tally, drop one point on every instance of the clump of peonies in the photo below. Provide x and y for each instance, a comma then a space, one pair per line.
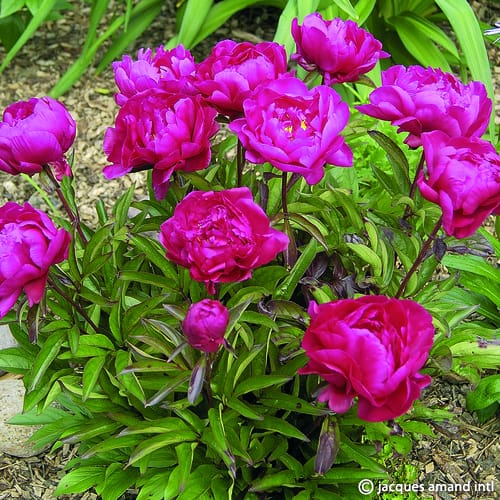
165, 69
163, 130
220, 236
233, 70
35, 133
419, 100
294, 128
340, 50
205, 325
29, 245
462, 176
372, 349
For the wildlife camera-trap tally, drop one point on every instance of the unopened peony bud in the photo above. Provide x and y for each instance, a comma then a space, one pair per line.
205, 325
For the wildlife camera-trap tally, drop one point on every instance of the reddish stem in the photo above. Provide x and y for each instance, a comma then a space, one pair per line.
419, 259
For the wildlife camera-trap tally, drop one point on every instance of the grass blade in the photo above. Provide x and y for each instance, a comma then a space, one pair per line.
469, 34
40, 16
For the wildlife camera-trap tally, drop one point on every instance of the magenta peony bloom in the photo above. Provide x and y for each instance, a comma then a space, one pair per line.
205, 325
159, 71
370, 348
233, 70
34, 133
221, 236
463, 178
166, 131
419, 100
29, 245
340, 50
294, 128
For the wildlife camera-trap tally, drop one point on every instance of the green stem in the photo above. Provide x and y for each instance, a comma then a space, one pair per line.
419, 259
75, 220
284, 192
208, 375
240, 163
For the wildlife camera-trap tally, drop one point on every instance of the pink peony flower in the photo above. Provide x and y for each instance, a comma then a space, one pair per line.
29, 245
463, 178
370, 348
233, 70
419, 100
220, 236
205, 325
161, 70
166, 131
34, 133
340, 50
294, 128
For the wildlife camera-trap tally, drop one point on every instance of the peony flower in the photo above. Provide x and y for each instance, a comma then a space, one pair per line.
166, 131
35, 133
463, 178
370, 348
205, 325
294, 128
29, 245
233, 70
418, 100
340, 50
161, 70
220, 236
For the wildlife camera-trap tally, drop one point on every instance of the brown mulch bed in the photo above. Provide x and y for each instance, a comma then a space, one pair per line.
462, 451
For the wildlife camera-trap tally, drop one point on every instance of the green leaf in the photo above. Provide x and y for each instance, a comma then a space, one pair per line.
98, 240
368, 255
40, 16
287, 287
80, 480
358, 454
280, 400
470, 37
15, 360
8, 7
397, 158
156, 254
312, 226
117, 481
280, 426
364, 8
272, 481
139, 22
239, 367
219, 441
259, 382
91, 374
347, 7
88, 429
350, 475
243, 409
411, 31
194, 18
47, 354
161, 441
113, 443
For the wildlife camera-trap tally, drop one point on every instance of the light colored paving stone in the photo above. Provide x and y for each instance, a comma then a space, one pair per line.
13, 438
6, 338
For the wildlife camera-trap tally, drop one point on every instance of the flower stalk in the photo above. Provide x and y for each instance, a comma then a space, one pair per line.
73, 216
74, 303
419, 259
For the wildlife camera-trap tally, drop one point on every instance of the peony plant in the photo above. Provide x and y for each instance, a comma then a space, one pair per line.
264, 324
